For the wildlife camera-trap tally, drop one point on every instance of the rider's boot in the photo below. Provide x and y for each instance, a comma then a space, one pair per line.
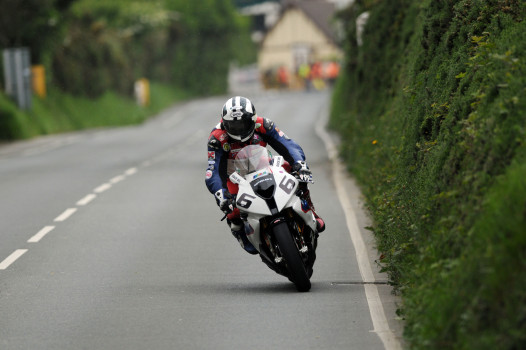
238, 231
320, 224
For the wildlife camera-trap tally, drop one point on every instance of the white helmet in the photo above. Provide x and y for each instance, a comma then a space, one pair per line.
239, 118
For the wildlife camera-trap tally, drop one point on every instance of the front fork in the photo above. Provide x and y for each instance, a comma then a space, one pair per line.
297, 234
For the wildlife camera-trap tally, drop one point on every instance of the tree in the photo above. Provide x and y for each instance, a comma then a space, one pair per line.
36, 24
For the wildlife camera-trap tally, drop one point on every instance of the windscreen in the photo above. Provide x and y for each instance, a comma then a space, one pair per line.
252, 158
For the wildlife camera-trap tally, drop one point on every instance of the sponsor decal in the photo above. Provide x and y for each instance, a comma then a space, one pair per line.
281, 133
264, 172
258, 125
261, 181
211, 162
211, 155
208, 174
226, 147
222, 137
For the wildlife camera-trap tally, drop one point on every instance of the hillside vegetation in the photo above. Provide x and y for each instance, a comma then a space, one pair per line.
94, 51
432, 110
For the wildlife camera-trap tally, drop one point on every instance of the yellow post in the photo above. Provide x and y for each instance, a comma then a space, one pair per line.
146, 83
142, 92
38, 74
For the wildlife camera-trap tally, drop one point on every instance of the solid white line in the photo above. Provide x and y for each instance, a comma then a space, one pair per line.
87, 199
102, 188
117, 179
380, 324
36, 238
66, 214
12, 258
130, 171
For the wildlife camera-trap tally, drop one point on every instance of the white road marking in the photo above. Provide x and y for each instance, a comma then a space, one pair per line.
12, 258
130, 171
102, 188
36, 238
380, 324
66, 214
117, 179
87, 199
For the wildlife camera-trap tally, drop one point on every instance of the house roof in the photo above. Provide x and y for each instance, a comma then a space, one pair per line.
319, 11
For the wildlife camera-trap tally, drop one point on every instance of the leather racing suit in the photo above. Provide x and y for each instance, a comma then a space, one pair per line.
222, 151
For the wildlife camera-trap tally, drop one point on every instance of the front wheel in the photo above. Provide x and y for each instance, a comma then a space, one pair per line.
292, 257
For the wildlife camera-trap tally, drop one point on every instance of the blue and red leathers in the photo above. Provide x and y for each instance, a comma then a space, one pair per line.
222, 151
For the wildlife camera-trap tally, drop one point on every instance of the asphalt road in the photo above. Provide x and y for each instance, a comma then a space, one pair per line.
109, 239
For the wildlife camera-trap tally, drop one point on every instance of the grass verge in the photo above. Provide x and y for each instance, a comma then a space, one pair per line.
60, 112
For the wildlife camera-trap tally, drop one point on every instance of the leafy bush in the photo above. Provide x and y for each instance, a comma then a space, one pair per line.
14, 124
434, 118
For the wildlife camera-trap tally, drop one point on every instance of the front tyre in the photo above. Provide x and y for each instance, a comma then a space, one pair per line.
292, 257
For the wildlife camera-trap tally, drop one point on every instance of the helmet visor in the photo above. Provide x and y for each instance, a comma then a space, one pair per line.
242, 127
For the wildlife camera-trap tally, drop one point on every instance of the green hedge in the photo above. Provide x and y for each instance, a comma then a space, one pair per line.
433, 107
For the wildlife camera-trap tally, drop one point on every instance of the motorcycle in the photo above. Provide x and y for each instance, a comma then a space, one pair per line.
278, 222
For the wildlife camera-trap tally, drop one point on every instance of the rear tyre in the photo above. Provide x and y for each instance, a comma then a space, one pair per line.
292, 257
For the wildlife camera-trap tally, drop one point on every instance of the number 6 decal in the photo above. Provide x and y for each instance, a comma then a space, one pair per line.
245, 201
287, 185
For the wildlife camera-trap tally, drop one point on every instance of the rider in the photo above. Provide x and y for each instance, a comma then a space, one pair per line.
239, 127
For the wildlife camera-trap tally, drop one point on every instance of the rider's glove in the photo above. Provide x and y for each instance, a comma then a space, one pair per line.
225, 201
302, 171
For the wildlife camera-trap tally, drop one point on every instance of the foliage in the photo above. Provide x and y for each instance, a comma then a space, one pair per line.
33, 23
14, 124
61, 112
92, 48
186, 43
210, 40
433, 110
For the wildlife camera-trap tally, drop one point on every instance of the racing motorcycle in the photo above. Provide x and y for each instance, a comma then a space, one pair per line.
278, 222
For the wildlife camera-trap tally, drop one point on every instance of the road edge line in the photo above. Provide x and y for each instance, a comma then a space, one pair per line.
376, 309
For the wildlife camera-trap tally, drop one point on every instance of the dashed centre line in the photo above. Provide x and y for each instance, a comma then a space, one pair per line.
117, 179
130, 171
102, 188
12, 258
65, 215
87, 199
84, 201
36, 238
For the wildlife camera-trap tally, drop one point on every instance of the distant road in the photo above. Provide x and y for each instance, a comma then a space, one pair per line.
109, 239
